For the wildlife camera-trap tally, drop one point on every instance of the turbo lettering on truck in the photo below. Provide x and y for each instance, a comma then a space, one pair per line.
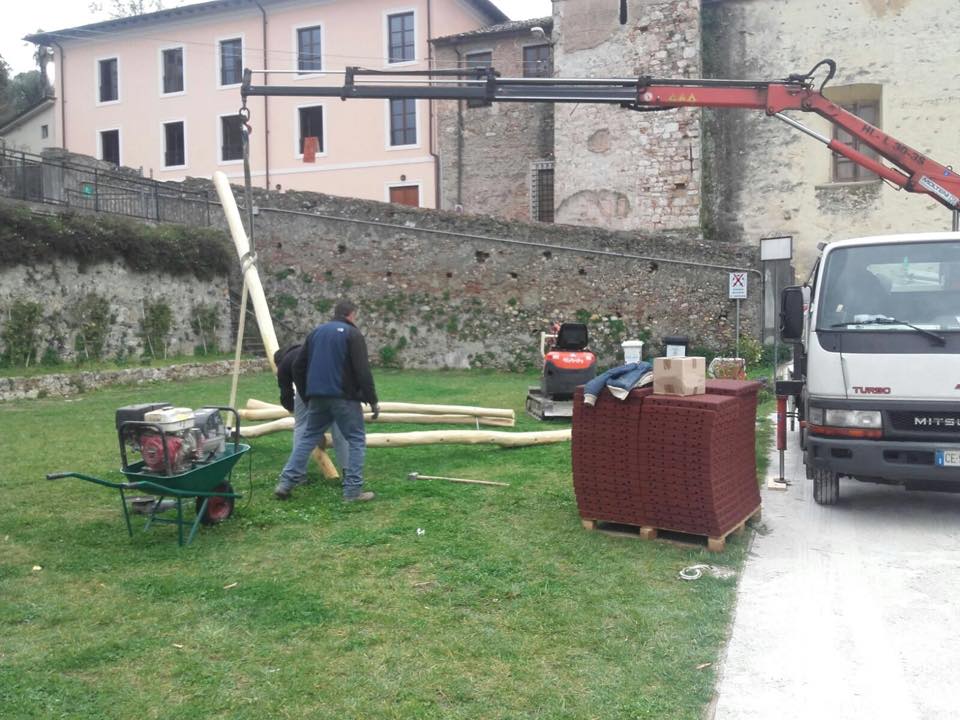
861, 390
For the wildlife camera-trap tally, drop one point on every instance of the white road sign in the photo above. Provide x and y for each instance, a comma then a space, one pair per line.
738, 286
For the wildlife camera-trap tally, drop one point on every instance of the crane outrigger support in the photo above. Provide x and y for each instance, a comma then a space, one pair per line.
911, 170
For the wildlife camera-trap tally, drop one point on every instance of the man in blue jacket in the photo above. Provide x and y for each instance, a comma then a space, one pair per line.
332, 375
291, 401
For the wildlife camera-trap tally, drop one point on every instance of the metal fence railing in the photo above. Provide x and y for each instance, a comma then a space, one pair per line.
24, 176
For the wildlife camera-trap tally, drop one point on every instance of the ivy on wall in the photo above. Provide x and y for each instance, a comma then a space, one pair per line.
91, 315
205, 323
178, 250
155, 328
20, 332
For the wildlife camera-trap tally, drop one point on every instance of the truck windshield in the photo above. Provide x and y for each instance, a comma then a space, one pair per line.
916, 283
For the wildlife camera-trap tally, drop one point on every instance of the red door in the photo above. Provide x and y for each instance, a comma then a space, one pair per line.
405, 195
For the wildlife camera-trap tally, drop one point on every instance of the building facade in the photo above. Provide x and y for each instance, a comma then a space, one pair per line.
34, 130
498, 159
160, 92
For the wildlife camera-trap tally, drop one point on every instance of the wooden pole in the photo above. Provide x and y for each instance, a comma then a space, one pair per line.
422, 419
261, 405
248, 266
418, 476
326, 465
467, 437
401, 407
444, 409
252, 431
430, 437
270, 413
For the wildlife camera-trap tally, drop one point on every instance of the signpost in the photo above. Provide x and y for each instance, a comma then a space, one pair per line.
737, 290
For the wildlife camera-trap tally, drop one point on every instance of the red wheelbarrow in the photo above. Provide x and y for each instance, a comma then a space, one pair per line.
207, 482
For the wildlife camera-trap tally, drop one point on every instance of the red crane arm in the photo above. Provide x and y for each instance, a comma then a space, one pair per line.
917, 173
911, 170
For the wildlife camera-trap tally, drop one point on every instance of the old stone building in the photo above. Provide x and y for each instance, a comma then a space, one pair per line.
617, 168
737, 175
898, 65
498, 160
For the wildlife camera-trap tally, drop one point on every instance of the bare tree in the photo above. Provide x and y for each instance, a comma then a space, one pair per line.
5, 101
126, 8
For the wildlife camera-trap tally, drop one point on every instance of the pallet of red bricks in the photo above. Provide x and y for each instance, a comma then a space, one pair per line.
678, 457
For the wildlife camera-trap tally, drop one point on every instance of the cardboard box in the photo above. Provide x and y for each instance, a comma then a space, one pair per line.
679, 376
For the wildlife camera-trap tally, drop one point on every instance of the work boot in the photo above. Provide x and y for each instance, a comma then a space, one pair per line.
282, 491
362, 497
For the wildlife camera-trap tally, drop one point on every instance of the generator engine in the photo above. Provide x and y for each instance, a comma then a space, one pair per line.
172, 440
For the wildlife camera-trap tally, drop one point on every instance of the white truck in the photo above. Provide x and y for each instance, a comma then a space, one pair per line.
876, 331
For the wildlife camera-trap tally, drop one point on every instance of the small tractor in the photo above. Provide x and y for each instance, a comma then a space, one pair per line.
567, 363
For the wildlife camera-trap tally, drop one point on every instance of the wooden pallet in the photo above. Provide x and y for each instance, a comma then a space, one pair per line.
644, 532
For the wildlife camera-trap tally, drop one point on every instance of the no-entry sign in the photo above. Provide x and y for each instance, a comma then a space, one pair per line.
738, 286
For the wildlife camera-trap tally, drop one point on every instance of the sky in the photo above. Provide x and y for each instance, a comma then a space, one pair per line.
22, 18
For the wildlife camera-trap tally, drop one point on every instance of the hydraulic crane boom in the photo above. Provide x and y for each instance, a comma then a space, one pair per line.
911, 170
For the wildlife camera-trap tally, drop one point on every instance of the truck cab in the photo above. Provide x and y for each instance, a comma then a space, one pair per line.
877, 332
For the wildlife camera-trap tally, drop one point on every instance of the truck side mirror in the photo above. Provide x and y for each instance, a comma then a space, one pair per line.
791, 314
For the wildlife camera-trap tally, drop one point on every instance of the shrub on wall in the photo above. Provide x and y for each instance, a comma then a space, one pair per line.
20, 333
155, 328
91, 316
205, 322
173, 249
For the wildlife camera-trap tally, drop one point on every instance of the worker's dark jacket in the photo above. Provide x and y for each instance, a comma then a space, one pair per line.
286, 358
333, 363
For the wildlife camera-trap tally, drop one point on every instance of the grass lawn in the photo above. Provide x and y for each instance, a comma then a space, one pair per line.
503, 608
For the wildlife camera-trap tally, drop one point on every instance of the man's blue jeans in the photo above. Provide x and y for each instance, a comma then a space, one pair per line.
321, 412
340, 446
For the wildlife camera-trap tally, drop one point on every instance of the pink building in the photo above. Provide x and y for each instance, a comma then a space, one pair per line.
161, 91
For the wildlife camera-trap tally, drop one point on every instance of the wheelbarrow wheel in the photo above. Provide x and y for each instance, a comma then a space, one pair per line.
218, 508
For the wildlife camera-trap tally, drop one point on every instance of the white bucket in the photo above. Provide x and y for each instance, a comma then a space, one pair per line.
632, 351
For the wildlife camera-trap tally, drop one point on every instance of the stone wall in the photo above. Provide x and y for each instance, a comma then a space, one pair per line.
440, 289
616, 168
59, 286
486, 153
62, 385
767, 179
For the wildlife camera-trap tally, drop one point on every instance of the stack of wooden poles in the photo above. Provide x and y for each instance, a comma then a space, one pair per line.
278, 419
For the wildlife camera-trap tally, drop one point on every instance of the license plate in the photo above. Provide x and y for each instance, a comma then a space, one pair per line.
948, 458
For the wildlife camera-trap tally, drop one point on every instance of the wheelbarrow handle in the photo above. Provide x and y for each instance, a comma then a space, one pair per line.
91, 478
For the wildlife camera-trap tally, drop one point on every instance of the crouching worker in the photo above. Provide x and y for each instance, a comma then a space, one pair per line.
283, 359
332, 376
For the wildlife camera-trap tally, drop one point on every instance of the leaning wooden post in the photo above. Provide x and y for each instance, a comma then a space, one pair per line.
248, 266
251, 279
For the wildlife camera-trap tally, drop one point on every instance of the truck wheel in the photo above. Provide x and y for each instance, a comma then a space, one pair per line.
826, 486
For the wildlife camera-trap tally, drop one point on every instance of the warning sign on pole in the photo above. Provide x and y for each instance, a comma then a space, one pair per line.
738, 286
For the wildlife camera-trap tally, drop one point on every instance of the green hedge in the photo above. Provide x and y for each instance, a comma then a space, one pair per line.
173, 249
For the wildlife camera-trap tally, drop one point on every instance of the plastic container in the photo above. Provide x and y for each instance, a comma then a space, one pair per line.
632, 351
675, 345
